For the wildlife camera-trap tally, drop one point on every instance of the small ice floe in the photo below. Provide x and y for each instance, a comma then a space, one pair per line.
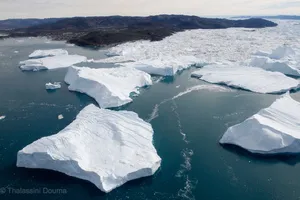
53, 86
16, 52
2, 117
60, 117
178, 86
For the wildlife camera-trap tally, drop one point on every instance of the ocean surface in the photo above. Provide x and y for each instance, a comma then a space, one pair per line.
188, 116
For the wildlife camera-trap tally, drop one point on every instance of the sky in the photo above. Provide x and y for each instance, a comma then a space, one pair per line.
69, 8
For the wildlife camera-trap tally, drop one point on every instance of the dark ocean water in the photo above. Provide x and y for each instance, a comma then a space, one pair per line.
187, 131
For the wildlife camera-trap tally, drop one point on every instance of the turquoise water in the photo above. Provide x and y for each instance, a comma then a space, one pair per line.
187, 130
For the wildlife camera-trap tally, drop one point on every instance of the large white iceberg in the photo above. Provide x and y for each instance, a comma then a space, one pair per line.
249, 78
61, 61
107, 148
283, 59
272, 130
110, 87
48, 53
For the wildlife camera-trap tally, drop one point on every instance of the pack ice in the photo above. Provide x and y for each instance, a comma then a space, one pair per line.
54, 62
110, 87
248, 78
272, 130
48, 53
201, 47
283, 59
107, 148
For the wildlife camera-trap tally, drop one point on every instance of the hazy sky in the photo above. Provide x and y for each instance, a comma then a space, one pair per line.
62, 8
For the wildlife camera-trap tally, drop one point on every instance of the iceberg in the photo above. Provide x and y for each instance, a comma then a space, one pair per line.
282, 52
48, 53
283, 59
105, 147
272, 130
164, 66
59, 117
2, 117
54, 62
110, 87
248, 78
53, 86
269, 64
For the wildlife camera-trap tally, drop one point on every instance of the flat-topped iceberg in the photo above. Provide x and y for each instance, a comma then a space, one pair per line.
248, 78
48, 53
55, 62
110, 87
105, 147
283, 59
52, 86
272, 130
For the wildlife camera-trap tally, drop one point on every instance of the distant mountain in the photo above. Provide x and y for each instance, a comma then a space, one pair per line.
23, 23
98, 31
174, 21
286, 17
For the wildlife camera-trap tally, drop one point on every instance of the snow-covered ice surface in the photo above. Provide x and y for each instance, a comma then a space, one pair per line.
48, 53
61, 61
107, 148
110, 87
283, 59
203, 47
248, 78
52, 86
272, 130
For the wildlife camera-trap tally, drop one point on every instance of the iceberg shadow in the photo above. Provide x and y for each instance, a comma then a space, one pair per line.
287, 158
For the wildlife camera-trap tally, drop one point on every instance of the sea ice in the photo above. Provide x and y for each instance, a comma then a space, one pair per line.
249, 78
105, 147
54, 62
272, 130
110, 87
48, 53
53, 86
